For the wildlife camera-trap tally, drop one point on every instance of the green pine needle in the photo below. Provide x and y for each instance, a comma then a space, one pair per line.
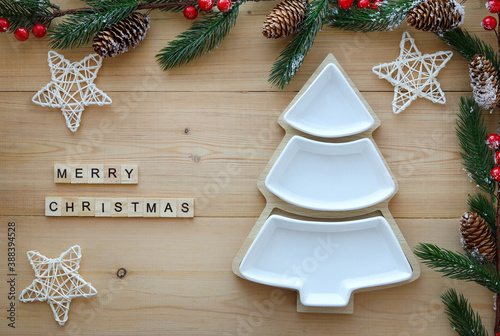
25, 13
461, 316
389, 15
291, 58
478, 157
486, 208
468, 45
79, 29
202, 37
459, 266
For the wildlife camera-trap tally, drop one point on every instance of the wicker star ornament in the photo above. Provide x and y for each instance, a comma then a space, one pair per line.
72, 87
413, 74
57, 282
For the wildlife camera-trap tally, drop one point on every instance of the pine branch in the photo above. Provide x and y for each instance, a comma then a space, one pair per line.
468, 45
478, 157
461, 315
389, 16
79, 28
485, 207
26, 13
459, 266
291, 58
202, 37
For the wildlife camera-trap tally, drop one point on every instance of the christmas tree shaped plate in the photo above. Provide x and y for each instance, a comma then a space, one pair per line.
330, 176
325, 261
309, 175
329, 108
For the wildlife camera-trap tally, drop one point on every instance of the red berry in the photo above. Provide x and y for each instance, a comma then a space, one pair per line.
364, 3
493, 141
224, 5
4, 25
206, 5
495, 173
497, 158
489, 23
39, 30
345, 4
493, 6
21, 34
190, 12
377, 4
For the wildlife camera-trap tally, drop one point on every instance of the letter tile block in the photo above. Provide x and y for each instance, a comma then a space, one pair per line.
168, 207
129, 174
79, 173
69, 207
86, 207
151, 207
53, 206
95, 173
119, 207
135, 207
112, 174
185, 207
103, 207
62, 173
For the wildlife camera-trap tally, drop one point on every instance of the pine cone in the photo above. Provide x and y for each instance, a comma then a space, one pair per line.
436, 15
284, 19
477, 237
121, 36
484, 82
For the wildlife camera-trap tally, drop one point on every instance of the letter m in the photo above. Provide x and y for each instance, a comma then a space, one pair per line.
62, 173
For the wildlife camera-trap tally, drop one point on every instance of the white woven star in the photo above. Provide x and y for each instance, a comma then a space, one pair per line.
413, 74
57, 282
72, 87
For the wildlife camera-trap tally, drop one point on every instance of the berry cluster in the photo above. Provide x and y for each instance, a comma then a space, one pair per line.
493, 141
21, 33
191, 12
489, 22
362, 4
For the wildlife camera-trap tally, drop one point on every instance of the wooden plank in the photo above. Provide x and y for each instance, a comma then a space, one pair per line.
241, 63
219, 165
174, 286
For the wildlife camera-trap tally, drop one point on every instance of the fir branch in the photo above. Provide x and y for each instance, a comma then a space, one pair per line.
486, 208
468, 45
389, 16
202, 37
291, 58
461, 315
26, 13
459, 266
478, 157
79, 28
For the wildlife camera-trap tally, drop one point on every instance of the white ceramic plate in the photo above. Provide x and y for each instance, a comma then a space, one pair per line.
325, 261
330, 176
329, 108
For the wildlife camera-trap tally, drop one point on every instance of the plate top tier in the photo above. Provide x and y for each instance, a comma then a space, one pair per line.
329, 108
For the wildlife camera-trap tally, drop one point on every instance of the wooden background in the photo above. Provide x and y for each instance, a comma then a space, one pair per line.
185, 128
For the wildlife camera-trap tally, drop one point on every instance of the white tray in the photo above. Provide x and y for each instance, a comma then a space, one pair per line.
329, 108
330, 176
325, 261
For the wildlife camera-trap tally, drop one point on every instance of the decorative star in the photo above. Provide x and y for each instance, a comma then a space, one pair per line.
413, 74
57, 282
72, 87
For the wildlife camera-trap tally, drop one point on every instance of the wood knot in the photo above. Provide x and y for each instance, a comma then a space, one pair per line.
121, 273
186, 131
196, 158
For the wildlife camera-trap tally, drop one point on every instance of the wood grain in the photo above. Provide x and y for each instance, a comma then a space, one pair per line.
207, 130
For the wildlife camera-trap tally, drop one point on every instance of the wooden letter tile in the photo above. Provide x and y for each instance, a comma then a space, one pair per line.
135, 207
168, 207
103, 207
119, 207
53, 206
151, 207
130, 174
185, 207
62, 173
78, 173
95, 173
86, 207
112, 174
69, 207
